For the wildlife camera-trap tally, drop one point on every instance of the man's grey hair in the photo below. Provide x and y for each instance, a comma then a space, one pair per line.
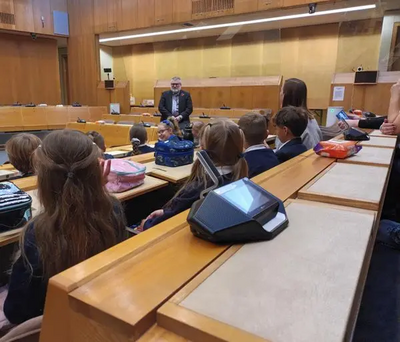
176, 79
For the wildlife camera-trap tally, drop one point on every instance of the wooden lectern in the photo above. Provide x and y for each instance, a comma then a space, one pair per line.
120, 94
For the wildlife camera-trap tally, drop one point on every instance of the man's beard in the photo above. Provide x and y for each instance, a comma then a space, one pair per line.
175, 91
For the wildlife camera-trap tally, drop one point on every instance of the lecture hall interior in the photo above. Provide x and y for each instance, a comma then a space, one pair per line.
199, 170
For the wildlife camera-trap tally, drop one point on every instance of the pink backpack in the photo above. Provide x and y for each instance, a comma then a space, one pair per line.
122, 174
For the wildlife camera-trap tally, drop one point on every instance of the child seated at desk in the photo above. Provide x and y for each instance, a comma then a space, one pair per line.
98, 139
19, 150
290, 124
197, 126
79, 219
139, 132
258, 156
223, 141
168, 129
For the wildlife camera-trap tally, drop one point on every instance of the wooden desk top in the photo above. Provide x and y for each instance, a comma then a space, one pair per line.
170, 174
379, 142
143, 158
7, 167
293, 288
27, 183
150, 184
374, 156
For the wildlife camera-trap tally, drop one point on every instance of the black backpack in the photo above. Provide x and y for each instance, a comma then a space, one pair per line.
15, 207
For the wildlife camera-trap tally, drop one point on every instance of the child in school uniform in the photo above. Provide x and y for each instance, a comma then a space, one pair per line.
98, 139
19, 150
223, 140
139, 132
290, 123
294, 93
259, 158
168, 129
79, 219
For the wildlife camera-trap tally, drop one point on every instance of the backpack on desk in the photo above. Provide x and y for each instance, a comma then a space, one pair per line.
123, 175
174, 152
15, 207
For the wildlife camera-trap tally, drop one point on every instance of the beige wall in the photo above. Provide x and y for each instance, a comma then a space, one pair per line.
312, 53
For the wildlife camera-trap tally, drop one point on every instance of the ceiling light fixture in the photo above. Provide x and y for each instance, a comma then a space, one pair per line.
241, 23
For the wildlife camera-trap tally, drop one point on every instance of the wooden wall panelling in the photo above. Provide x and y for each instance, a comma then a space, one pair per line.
163, 12
24, 15
216, 97
100, 15
32, 72
121, 95
112, 15
146, 13
128, 15
7, 6
181, 11
198, 95
264, 5
58, 5
245, 6
42, 18
83, 61
241, 97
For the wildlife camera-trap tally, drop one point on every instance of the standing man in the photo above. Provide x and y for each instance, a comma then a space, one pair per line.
176, 103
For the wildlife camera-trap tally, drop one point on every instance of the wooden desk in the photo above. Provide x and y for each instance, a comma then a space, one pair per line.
143, 158
154, 265
170, 174
150, 184
7, 167
374, 156
293, 288
379, 142
378, 133
360, 186
27, 183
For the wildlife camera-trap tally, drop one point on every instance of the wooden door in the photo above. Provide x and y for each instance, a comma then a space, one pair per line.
245, 6
128, 15
146, 12
181, 11
163, 12
42, 18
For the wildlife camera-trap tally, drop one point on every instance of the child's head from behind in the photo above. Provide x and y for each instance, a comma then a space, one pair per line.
254, 127
98, 139
20, 149
290, 122
78, 220
138, 132
166, 129
67, 160
224, 142
196, 128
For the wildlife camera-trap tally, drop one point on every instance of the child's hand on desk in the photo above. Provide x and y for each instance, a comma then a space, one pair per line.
388, 128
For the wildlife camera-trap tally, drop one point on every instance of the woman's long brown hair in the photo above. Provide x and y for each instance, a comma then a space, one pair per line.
295, 94
79, 219
223, 140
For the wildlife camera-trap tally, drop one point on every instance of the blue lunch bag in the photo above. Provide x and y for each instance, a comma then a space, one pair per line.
174, 152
